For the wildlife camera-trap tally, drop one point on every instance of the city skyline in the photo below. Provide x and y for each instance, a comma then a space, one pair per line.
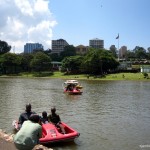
42, 21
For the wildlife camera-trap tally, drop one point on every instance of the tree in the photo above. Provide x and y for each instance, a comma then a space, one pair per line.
98, 61
10, 63
55, 57
25, 61
130, 54
140, 52
4, 47
38, 50
72, 64
47, 52
148, 53
113, 49
40, 62
148, 49
69, 50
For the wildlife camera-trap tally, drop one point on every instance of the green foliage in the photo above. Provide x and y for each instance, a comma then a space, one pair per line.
42, 74
113, 50
130, 55
145, 75
4, 47
72, 64
40, 62
98, 61
38, 50
55, 57
68, 51
25, 61
140, 52
10, 63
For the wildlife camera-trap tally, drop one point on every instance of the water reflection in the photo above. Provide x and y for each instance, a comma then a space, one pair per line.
109, 114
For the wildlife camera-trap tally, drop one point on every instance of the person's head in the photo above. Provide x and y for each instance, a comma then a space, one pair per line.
44, 114
53, 110
28, 107
34, 118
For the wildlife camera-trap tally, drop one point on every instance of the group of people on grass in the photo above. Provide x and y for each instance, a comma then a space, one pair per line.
31, 127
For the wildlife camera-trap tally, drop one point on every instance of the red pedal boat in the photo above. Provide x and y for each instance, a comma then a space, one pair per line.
72, 87
50, 134
73, 92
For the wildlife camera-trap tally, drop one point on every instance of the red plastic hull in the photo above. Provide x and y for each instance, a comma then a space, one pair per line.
51, 134
74, 92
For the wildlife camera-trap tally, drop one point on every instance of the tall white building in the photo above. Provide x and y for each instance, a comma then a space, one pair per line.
96, 43
58, 45
29, 47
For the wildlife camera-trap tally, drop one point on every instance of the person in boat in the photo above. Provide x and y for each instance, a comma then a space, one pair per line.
55, 119
29, 134
25, 115
44, 118
69, 87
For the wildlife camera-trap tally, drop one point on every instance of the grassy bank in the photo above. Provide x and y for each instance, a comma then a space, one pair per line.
117, 76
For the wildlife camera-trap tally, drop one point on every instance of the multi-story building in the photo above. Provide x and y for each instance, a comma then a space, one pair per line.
81, 49
122, 52
29, 47
58, 45
96, 43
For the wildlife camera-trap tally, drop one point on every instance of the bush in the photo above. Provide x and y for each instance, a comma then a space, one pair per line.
42, 74
145, 75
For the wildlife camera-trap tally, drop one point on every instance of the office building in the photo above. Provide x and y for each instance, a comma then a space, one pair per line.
58, 45
30, 47
96, 43
122, 52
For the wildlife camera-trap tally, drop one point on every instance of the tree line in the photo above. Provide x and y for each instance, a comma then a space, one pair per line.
95, 61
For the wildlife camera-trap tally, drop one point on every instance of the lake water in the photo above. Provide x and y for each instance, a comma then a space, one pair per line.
110, 115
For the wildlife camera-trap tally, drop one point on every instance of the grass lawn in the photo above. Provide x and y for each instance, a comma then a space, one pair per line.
117, 76
126, 76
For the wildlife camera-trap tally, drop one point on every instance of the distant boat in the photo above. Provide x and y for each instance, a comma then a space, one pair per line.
72, 87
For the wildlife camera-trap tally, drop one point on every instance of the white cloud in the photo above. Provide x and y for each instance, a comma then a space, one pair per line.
26, 21
25, 7
41, 6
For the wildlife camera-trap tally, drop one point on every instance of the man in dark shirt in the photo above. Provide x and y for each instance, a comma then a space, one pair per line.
25, 115
55, 119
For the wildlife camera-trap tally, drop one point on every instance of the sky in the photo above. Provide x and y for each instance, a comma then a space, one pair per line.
76, 21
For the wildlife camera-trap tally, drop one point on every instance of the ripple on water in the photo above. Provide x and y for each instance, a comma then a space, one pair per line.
109, 115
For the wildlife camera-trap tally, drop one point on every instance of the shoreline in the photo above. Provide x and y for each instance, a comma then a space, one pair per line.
110, 77
6, 142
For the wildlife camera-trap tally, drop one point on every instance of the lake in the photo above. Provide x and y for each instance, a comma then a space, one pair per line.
110, 115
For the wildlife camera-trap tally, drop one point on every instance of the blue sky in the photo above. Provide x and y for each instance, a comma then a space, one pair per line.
76, 21
81, 20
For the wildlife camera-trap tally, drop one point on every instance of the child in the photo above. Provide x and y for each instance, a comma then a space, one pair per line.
44, 118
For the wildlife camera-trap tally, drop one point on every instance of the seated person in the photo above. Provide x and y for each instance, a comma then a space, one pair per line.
69, 88
44, 118
26, 115
29, 134
55, 119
